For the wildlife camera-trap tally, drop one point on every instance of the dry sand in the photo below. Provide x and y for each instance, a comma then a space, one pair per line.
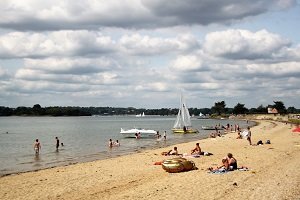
274, 173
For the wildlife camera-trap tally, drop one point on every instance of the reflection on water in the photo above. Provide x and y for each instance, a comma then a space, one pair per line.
84, 138
37, 161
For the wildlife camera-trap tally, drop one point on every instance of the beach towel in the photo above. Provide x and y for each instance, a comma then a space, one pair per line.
223, 171
218, 171
191, 156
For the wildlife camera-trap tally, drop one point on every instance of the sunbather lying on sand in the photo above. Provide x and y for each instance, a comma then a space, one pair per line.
171, 152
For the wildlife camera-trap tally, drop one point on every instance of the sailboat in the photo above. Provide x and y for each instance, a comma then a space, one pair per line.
183, 121
140, 115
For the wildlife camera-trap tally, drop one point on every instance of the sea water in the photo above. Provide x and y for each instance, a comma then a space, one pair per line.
84, 138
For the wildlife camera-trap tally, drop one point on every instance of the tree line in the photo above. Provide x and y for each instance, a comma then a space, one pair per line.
218, 109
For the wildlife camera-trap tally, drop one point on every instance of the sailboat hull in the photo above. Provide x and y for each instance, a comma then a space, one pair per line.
181, 131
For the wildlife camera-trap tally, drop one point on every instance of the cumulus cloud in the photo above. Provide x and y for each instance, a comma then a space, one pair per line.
187, 63
90, 44
59, 43
89, 14
243, 44
145, 45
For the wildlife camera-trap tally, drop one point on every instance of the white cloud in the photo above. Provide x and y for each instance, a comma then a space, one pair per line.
123, 53
90, 14
186, 63
60, 43
243, 44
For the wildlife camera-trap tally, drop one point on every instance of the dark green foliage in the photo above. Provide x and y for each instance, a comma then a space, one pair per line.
219, 109
239, 109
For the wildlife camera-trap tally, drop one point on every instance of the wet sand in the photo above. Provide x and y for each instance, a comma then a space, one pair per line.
274, 173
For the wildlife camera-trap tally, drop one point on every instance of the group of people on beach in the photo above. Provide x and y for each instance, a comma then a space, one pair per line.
229, 163
194, 152
236, 128
37, 145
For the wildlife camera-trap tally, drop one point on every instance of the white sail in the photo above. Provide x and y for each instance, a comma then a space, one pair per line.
183, 117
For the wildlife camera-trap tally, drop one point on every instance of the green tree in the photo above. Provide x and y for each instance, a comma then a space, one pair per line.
291, 110
219, 108
240, 109
279, 105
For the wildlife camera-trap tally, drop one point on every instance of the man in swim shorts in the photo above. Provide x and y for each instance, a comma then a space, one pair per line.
197, 150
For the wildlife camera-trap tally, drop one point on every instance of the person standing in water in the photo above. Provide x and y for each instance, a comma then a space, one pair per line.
57, 143
110, 143
37, 146
165, 135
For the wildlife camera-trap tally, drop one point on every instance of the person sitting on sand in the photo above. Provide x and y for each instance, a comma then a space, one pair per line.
173, 152
232, 162
223, 167
239, 135
197, 150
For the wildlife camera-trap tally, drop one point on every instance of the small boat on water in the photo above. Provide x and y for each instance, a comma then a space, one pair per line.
140, 115
143, 133
183, 121
202, 116
211, 128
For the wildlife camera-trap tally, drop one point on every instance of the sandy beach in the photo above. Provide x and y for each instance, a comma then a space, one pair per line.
273, 172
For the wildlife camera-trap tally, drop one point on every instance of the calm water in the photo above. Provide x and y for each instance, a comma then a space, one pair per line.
84, 138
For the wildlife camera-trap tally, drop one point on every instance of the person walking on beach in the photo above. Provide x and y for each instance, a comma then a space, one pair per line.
57, 143
37, 146
249, 136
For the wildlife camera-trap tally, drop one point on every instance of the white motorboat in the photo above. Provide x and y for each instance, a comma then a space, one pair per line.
202, 116
142, 133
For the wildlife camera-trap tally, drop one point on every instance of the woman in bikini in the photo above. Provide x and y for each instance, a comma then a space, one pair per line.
231, 162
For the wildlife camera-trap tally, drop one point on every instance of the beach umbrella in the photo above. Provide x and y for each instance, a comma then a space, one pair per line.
297, 129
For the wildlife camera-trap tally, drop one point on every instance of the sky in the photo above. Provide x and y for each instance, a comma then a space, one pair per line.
145, 53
